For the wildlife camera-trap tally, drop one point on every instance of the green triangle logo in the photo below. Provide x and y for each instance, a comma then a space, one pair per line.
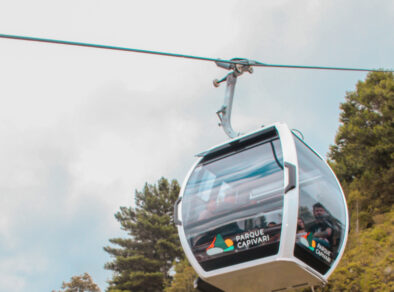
220, 242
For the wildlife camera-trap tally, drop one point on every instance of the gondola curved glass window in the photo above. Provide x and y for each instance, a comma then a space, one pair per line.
232, 206
321, 219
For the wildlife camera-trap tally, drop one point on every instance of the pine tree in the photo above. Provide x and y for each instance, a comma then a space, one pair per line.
363, 157
143, 260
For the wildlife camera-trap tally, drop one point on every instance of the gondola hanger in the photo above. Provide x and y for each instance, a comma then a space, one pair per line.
224, 113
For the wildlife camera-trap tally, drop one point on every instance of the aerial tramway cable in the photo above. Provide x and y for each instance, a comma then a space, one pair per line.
232, 61
237, 65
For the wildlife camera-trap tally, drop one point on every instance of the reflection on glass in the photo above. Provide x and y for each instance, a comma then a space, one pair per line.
234, 204
321, 215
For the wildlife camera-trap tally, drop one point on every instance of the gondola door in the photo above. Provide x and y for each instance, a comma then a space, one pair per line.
322, 221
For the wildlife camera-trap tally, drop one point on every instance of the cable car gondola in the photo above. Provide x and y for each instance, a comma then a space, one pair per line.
262, 212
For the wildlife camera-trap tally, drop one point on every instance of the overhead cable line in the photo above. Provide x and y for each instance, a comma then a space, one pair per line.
216, 60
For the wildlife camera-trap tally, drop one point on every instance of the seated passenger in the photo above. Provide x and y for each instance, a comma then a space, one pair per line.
274, 233
300, 227
209, 211
271, 224
229, 202
322, 228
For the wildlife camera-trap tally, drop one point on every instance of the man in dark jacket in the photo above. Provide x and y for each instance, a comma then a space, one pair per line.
322, 228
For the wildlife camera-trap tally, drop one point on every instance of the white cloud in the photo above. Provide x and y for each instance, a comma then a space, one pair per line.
15, 270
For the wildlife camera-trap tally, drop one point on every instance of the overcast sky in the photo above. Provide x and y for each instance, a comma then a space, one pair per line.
81, 129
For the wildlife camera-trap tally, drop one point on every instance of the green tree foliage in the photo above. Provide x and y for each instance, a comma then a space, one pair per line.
363, 157
183, 279
142, 261
82, 283
363, 160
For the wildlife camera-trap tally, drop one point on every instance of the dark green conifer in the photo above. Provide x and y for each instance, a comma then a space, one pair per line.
142, 261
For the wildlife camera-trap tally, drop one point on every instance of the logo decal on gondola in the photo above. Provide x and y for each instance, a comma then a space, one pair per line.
317, 248
218, 245
308, 241
251, 238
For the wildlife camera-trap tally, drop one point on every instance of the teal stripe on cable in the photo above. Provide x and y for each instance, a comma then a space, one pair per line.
234, 61
34, 39
318, 67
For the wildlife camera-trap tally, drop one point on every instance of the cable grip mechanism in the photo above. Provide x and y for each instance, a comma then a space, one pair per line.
224, 113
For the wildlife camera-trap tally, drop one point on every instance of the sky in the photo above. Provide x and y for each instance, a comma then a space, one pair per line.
81, 129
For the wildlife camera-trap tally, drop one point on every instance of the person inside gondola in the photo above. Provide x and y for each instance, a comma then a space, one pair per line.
322, 228
210, 209
301, 235
300, 227
274, 231
220, 203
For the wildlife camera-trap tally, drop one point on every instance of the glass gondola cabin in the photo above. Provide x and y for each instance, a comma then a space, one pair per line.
262, 212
